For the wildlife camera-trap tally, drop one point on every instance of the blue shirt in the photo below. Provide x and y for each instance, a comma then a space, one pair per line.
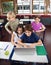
29, 39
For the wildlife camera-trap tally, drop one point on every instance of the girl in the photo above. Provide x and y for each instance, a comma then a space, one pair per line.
37, 25
16, 35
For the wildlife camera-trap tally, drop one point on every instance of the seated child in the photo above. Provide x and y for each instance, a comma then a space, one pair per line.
17, 34
29, 37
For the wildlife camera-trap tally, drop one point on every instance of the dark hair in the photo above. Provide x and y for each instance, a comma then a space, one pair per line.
20, 26
37, 17
28, 27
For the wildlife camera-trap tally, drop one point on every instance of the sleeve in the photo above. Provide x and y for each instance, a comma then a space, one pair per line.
36, 38
41, 24
6, 26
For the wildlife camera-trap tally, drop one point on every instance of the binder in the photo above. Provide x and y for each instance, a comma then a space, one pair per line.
41, 50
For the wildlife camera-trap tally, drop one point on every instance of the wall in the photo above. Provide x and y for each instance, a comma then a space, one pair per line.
46, 20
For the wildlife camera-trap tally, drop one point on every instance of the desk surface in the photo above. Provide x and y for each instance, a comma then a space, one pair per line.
28, 58
2, 51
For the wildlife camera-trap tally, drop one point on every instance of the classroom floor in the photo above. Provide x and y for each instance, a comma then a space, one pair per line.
47, 42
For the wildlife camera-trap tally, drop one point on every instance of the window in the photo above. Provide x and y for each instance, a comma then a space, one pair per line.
49, 6
26, 6
23, 6
38, 6
7, 6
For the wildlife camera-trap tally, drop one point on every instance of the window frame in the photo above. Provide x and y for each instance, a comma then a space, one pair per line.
31, 8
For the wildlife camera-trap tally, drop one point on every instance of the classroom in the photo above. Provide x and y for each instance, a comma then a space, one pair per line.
25, 32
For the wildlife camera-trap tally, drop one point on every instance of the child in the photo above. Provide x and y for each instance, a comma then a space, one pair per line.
29, 37
37, 25
12, 22
17, 34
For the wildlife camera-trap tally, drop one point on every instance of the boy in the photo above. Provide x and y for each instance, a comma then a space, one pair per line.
12, 22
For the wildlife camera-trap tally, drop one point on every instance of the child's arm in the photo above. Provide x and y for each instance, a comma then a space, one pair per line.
7, 29
21, 43
42, 29
35, 44
12, 39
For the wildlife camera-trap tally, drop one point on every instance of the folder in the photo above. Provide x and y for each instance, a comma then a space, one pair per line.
41, 50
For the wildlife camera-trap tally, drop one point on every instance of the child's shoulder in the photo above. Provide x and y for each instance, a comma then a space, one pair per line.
40, 23
33, 22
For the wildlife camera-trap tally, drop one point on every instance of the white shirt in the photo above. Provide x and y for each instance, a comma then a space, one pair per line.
16, 37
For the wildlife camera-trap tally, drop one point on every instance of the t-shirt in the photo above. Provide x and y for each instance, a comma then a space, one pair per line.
29, 39
16, 37
36, 26
12, 25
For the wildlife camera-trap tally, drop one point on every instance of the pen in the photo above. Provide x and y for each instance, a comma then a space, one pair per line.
6, 47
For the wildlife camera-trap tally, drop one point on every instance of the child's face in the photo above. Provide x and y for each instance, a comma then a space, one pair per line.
37, 20
28, 33
19, 30
11, 18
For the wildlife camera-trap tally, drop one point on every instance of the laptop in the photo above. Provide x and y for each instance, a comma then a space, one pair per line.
24, 51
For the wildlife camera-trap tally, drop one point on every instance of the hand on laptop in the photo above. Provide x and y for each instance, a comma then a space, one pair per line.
30, 46
25, 46
18, 46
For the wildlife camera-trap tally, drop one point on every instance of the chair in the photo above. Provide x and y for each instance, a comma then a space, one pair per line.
42, 35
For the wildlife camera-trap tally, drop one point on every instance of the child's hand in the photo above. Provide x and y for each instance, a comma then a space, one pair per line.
31, 46
38, 31
18, 46
25, 46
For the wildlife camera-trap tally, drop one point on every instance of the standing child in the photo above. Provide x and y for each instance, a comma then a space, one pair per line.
12, 22
16, 35
37, 25
29, 37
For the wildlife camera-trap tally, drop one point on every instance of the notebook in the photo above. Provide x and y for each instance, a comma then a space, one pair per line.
41, 50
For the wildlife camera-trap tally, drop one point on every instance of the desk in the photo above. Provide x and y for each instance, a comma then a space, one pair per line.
29, 58
10, 48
